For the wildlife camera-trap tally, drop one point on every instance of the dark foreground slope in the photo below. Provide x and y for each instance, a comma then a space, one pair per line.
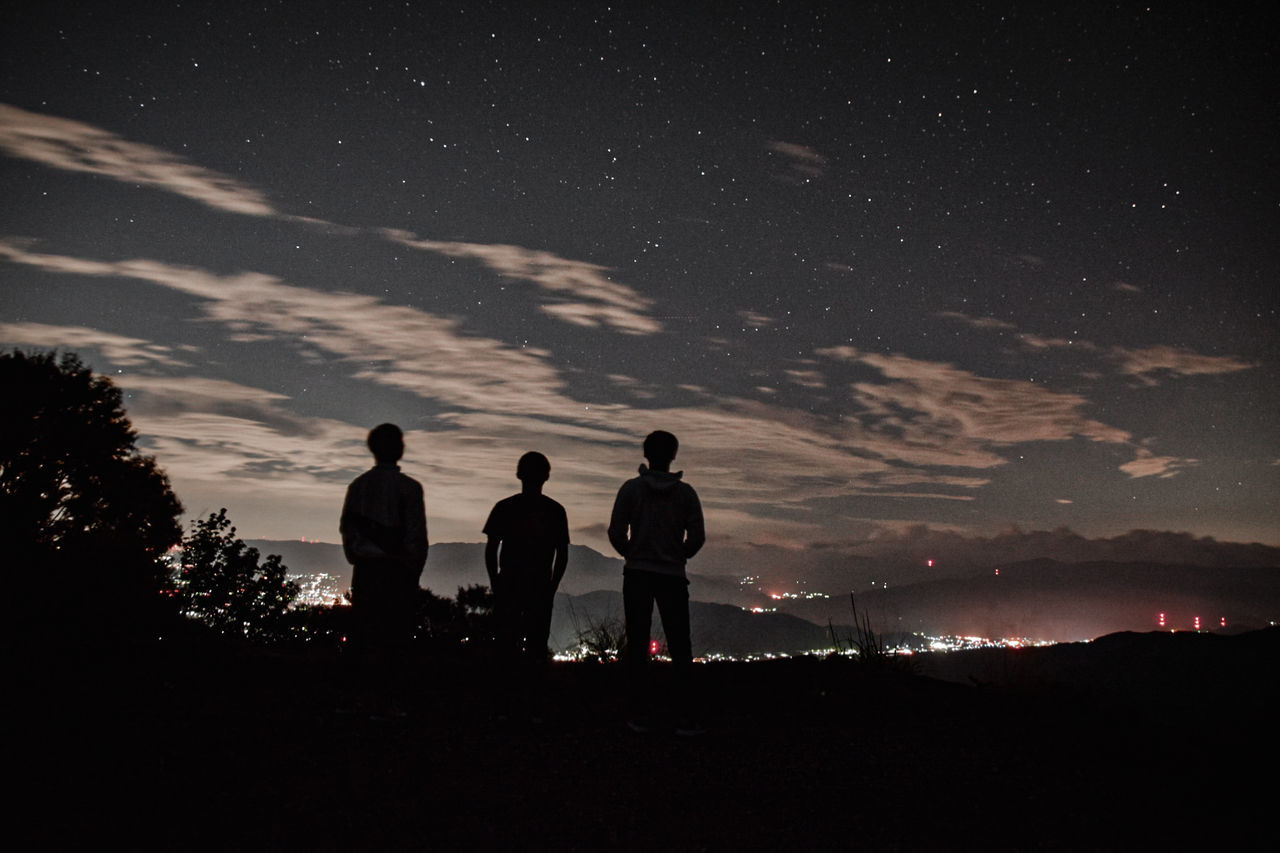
176, 750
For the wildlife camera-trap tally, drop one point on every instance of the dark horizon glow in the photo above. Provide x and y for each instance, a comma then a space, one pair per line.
973, 269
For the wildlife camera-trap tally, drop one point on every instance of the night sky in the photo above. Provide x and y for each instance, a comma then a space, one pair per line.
971, 266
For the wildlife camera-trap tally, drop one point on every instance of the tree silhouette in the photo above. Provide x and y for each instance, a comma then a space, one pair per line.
221, 583
85, 517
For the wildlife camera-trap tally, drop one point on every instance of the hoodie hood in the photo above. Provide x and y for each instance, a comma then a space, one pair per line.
659, 481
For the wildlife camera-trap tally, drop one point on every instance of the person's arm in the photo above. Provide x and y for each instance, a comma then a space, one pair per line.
695, 531
415, 530
620, 522
356, 546
491, 560
562, 553
346, 529
492, 530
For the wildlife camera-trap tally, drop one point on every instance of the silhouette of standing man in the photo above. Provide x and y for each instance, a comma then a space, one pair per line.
526, 555
656, 525
384, 537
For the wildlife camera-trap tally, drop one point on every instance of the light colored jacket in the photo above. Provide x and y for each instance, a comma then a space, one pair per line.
656, 524
384, 517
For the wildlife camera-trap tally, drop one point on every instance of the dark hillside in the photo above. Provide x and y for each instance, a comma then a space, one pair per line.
1048, 599
172, 748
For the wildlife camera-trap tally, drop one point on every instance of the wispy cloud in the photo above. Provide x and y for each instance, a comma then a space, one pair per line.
950, 413
577, 292
493, 398
975, 322
584, 293
755, 318
807, 378
1148, 464
955, 413
120, 350
802, 163
1148, 363
78, 147
1039, 342
388, 344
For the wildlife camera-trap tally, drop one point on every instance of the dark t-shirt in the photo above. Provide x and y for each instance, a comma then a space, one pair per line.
531, 529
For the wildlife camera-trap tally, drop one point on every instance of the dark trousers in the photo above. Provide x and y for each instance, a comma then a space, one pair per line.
522, 621
384, 597
522, 626
640, 591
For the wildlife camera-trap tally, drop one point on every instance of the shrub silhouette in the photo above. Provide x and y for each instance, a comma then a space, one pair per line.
221, 583
85, 516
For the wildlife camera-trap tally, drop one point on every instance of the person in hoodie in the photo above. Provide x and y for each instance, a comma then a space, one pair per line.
656, 526
384, 537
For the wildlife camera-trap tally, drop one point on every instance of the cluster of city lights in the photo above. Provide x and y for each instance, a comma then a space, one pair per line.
318, 590
919, 643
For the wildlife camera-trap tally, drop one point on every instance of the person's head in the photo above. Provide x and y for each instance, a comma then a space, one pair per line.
386, 442
533, 468
660, 448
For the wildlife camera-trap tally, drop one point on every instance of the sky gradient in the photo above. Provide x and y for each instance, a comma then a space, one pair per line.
978, 268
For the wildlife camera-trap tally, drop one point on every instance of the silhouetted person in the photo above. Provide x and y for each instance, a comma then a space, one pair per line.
526, 555
384, 537
656, 525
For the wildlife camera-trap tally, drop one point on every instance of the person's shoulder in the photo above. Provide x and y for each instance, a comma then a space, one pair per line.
363, 478
408, 482
505, 504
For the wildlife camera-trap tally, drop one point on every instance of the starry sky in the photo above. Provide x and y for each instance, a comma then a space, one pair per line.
886, 269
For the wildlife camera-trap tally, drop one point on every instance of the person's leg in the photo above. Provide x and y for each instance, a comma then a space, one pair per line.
376, 620
637, 605
540, 625
400, 669
673, 606
506, 630
672, 596
503, 693
536, 630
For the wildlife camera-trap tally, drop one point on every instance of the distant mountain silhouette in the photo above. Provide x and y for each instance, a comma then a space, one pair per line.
1047, 599
454, 564
716, 628
1158, 667
449, 565
921, 553
590, 594
1041, 599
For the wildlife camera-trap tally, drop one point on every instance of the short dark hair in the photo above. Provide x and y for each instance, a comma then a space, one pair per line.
386, 442
660, 446
533, 466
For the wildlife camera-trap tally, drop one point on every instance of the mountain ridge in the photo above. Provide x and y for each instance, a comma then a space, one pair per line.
1041, 598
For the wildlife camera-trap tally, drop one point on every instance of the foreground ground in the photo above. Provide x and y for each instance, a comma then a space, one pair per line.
1136, 741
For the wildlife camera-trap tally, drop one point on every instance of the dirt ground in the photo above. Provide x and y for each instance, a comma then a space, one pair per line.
246, 750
